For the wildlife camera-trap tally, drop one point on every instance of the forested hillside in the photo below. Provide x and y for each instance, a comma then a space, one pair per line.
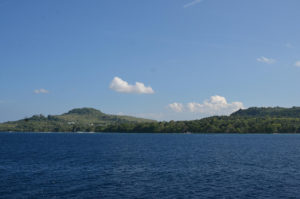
80, 119
293, 112
252, 120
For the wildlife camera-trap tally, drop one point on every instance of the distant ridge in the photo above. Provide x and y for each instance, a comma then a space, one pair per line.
78, 119
293, 112
251, 120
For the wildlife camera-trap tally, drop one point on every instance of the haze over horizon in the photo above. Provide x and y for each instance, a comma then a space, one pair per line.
163, 60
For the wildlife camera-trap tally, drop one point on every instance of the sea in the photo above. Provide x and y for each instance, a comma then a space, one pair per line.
122, 165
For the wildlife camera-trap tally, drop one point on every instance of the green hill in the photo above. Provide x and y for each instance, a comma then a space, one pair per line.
293, 112
252, 120
79, 119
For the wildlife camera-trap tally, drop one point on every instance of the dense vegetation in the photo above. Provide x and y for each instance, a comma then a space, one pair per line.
223, 124
83, 119
252, 120
280, 112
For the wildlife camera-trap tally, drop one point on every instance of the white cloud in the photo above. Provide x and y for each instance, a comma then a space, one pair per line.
266, 60
41, 90
177, 107
119, 85
192, 3
297, 63
216, 105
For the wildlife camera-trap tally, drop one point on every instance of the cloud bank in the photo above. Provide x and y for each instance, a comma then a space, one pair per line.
266, 60
216, 105
119, 85
41, 91
192, 3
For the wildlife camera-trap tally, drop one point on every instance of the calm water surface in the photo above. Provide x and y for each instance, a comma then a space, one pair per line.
68, 165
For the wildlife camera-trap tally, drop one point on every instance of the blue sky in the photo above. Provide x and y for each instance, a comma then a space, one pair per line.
191, 58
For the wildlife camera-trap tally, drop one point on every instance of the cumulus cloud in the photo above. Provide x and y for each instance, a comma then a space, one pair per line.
41, 91
192, 3
177, 107
297, 63
119, 85
216, 105
266, 60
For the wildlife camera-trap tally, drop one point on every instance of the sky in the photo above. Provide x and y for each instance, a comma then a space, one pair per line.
158, 59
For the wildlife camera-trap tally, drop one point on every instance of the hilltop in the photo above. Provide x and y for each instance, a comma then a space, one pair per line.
79, 119
278, 112
251, 120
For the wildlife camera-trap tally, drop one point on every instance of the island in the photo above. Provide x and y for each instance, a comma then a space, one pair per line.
251, 120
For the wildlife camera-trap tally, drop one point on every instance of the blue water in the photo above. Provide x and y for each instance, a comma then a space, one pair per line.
68, 165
